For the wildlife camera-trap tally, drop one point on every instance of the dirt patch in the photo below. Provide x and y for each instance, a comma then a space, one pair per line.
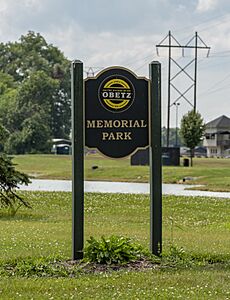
87, 267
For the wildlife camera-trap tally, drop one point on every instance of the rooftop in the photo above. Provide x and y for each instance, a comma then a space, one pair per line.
221, 122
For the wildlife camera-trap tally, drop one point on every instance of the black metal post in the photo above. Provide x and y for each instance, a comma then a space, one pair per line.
155, 160
77, 160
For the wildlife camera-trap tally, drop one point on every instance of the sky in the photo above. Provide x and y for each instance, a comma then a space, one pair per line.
104, 33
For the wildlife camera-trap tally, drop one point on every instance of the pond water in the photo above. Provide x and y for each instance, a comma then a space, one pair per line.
118, 187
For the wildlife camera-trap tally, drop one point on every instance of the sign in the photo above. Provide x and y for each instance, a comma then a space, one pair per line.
116, 112
116, 123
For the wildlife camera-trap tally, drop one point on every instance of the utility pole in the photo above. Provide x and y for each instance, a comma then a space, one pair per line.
173, 43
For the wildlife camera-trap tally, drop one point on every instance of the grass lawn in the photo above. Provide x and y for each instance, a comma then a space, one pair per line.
213, 173
34, 238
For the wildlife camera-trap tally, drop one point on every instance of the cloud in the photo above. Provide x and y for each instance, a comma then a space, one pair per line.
105, 48
206, 5
16, 17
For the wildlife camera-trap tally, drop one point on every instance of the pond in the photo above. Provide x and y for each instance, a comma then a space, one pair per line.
119, 187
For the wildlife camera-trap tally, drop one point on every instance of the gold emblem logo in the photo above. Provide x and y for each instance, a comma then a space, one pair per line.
116, 93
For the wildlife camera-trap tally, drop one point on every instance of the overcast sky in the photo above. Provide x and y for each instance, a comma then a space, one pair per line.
103, 33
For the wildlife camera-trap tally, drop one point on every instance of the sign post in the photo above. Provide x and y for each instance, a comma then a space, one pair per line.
155, 160
77, 160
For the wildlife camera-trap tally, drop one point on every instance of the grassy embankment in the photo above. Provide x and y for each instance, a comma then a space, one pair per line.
213, 173
34, 238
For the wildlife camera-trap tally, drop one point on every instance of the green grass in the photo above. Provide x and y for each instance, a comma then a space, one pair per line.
170, 284
200, 225
45, 166
213, 173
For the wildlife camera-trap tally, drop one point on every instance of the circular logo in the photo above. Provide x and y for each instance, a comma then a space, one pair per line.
116, 93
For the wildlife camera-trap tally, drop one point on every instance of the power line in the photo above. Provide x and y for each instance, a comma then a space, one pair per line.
225, 87
134, 60
210, 20
213, 90
216, 24
145, 63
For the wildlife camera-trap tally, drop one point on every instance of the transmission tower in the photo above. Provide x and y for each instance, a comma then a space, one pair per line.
90, 71
171, 42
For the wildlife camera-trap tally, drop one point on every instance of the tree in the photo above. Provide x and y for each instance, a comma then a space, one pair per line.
26, 112
9, 181
192, 130
8, 90
33, 138
32, 53
34, 78
6, 82
4, 134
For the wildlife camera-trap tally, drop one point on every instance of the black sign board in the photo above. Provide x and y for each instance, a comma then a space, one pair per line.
116, 112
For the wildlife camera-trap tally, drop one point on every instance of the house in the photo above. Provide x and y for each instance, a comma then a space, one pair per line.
217, 137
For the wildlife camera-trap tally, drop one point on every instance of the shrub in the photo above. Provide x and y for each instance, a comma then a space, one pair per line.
112, 250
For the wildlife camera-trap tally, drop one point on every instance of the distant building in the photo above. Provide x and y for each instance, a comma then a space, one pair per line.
217, 137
